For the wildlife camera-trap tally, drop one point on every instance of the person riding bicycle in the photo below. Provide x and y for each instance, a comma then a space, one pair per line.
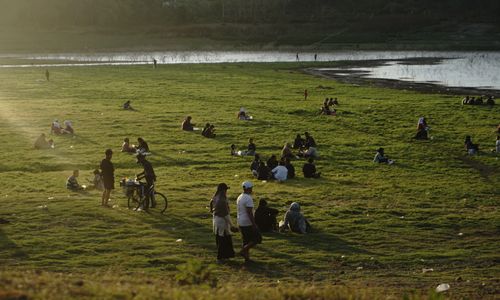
149, 175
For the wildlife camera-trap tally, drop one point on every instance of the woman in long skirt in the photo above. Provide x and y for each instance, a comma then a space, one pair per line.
222, 223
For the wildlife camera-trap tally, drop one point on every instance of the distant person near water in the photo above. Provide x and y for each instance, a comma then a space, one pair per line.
47, 75
305, 94
108, 176
154, 63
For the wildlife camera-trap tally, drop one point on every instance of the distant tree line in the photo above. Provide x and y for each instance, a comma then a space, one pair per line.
68, 13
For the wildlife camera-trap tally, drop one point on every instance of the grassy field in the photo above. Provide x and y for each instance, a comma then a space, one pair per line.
376, 227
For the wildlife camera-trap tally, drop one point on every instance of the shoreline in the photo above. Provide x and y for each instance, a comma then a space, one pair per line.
357, 78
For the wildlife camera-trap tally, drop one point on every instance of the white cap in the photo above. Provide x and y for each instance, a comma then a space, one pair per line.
247, 184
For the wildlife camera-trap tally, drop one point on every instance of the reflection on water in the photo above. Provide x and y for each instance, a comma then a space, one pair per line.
454, 69
477, 70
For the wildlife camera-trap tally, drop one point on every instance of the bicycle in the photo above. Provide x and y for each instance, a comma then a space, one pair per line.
136, 196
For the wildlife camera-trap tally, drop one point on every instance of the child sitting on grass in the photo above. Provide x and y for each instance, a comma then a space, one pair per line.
72, 182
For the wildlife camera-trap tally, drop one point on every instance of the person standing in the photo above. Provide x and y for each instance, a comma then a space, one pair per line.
47, 75
150, 176
305, 94
249, 232
222, 223
108, 176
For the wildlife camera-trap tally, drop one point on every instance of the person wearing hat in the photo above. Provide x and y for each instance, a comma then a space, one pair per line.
222, 225
150, 176
249, 232
108, 176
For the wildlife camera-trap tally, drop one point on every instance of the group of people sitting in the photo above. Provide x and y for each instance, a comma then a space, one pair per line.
306, 147
142, 146
208, 131
57, 129
478, 100
326, 110
294, 220
73, 185
281, 170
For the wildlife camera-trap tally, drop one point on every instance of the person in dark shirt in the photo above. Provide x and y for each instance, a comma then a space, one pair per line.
263, 171
150, 176
265, 217
299, 142
187, 125
108, 176
251, 147
72, 182
255, 165
309, 169
272, 162
142, 146
310, 142
290, 168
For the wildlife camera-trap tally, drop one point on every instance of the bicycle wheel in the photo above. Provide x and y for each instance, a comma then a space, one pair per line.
160, 199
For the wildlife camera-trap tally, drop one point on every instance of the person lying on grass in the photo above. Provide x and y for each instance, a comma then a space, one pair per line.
295, 221
72, 182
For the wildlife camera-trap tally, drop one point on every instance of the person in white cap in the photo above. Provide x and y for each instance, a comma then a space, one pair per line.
249, 232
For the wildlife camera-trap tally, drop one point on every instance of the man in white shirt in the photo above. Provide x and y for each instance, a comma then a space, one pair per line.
280, 173
246, 221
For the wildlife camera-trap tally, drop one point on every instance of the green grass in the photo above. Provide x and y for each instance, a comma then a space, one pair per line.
374, 225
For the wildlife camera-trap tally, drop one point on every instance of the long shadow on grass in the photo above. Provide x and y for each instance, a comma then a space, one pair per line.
9, 249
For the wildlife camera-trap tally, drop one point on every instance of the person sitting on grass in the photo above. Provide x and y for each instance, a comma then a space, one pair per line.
56, 128
42, 143
263, 171
187, 125
310, 142
286, 152
72, 182
211, 131
242, 115
142, 146
97, 182
233, 150
127, 105
333, 102
204, 131
490, 101
68, 127
126, 146
381, 158
299, 142
265, 217
309, 169
465, 100
295, 221
272, 162
470, 147
290, 168
311, 152
251, 148
254, 166
325, 110
280, 172
422, 129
